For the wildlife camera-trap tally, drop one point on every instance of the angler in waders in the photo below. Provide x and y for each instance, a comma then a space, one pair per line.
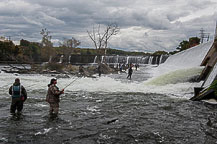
99, 68
53, 97
130, 72
19, 95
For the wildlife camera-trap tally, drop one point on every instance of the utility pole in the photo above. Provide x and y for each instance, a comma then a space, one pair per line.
8, 38
215, 31
203, 35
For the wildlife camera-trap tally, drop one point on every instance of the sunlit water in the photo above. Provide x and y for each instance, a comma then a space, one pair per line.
110, 109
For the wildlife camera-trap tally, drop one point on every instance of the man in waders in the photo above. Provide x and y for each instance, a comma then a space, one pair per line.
130, 72
53, 97
19, 95
99, 68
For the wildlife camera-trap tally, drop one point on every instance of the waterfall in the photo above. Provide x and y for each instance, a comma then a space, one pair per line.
156, 60
50, 59
95, 59
127, 59
161, 57
69, 59
117, 59
144, 60
130, 59
61, 59
177, 76
189, 58
150, 59
211, 77
102, 59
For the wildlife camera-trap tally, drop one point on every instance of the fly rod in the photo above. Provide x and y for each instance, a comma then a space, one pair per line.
71, 83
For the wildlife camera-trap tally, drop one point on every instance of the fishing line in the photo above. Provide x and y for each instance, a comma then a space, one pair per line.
71, 82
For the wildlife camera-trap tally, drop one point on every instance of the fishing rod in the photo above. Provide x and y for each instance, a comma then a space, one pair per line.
71, 82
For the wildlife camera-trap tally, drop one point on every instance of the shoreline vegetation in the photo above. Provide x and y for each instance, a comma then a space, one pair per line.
42, 57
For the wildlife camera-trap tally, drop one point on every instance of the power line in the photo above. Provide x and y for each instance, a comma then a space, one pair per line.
203, 35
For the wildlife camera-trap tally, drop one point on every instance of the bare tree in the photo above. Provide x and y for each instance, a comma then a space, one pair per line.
70, 43
46, 38
47, 46
100, 37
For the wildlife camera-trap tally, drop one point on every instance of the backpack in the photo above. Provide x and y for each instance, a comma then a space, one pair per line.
16, 91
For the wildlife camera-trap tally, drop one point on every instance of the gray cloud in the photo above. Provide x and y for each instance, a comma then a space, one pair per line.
145, 25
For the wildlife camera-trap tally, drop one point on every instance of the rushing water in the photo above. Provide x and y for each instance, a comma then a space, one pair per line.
211, 77
108, 110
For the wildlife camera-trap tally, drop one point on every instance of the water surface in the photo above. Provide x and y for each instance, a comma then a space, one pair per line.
108, 110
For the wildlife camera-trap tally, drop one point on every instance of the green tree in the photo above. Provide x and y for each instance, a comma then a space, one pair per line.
183, 45
7, 49
160, 53
193, 41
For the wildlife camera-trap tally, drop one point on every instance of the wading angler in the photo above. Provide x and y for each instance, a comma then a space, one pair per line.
18, 95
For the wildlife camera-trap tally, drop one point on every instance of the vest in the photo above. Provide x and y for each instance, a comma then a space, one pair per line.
16, 91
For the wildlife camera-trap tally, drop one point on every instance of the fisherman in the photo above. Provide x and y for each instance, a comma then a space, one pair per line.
19, 96
53, 97
136, 66
81, 70
120, 67
130, 72
99, 69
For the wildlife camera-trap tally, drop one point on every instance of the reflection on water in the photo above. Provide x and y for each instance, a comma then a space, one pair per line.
129, 116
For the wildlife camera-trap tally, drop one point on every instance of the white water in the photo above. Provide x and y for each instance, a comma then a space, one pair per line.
187, 59
61, 59
174, 77
161, 57
69, 59
103, 84
181, 67
95, 59
169, 78
150, 60
211, 76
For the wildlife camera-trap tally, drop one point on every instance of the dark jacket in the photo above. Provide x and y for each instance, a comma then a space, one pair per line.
130, 71
22, 91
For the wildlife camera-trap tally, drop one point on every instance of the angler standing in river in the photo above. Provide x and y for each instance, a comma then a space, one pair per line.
19, 95
53, 97
99, 68
130, 71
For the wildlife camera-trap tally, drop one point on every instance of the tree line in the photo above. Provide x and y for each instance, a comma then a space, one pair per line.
45, 51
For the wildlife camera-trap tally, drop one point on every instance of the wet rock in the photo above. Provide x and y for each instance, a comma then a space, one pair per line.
112, 121
105, 69
62, 76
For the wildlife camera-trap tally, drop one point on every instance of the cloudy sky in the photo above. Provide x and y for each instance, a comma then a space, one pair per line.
145, 25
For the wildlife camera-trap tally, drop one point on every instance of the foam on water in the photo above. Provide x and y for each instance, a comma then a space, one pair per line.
45, 131
177, 76
169, 78
102, 84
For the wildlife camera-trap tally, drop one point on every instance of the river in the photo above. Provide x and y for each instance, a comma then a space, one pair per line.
108, 110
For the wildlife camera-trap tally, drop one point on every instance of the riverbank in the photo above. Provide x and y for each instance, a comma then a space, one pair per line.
57, 68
